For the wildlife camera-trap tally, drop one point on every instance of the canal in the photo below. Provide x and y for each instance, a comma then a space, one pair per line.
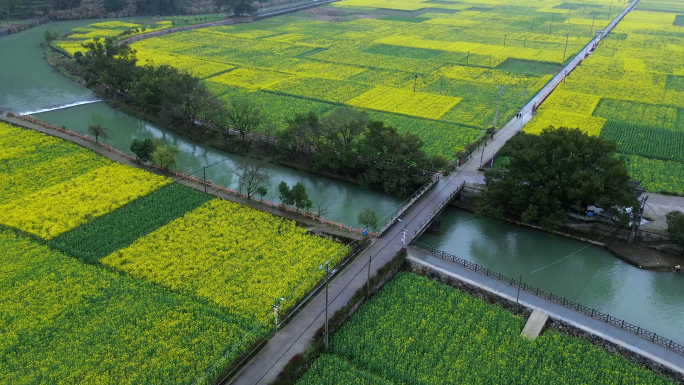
573, 269
591, 275
29, 85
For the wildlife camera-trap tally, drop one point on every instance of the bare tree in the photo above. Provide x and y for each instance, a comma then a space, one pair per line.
322, 208
252, 176
98, 131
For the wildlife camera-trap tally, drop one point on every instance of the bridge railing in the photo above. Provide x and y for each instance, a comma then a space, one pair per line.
607, 318
439, 208
410, 202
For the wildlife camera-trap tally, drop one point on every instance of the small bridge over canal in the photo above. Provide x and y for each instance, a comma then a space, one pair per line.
420, 210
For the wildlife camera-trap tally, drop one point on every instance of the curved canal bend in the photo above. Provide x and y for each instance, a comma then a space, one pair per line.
29, 85
593, 276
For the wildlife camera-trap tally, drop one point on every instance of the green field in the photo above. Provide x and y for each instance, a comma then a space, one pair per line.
431, 68
111, 274
631, 91
66, 322
417, 331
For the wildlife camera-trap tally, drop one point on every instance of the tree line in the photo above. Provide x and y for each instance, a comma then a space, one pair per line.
346, 142
81, 9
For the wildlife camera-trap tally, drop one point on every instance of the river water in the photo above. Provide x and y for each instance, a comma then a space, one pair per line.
592, 276
29, 85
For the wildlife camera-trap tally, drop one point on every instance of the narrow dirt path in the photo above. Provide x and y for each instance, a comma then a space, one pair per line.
311, 225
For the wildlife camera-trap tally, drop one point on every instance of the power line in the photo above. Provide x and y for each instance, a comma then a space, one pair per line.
575, 252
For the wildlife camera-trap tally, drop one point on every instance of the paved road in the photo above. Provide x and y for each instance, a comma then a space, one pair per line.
297, 335
609, 332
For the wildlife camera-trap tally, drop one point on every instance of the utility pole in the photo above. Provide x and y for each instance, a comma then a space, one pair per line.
490, 61
496, 117
553, 16
505, 40
525, 41
467, 58
327, 274
415, 80
524, 93
275, 311
592, 25
204, 173
567, 35
440, 84
610, 9
568, 16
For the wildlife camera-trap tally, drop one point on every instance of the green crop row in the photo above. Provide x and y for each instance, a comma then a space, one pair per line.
331, 369
417, 331
650, 142
104, 235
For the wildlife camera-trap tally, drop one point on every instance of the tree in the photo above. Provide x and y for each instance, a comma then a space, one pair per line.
306, 130
395, 161
368, 218
50, 36
675, 226
343, 125
142, 149
261, 190
557, 171
241, 7
341, 130
252, 176
285, 194
296, 195
97, 131
300, 197
164, 156
244, 117
322, 208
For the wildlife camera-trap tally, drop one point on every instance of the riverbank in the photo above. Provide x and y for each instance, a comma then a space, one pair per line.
315, 226
10, 27
613, 239
261, 146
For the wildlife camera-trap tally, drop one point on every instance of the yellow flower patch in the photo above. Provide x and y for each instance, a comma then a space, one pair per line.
567, 101
59, 208
71, 47
545, 118
405, 102
114, 25
235, 256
